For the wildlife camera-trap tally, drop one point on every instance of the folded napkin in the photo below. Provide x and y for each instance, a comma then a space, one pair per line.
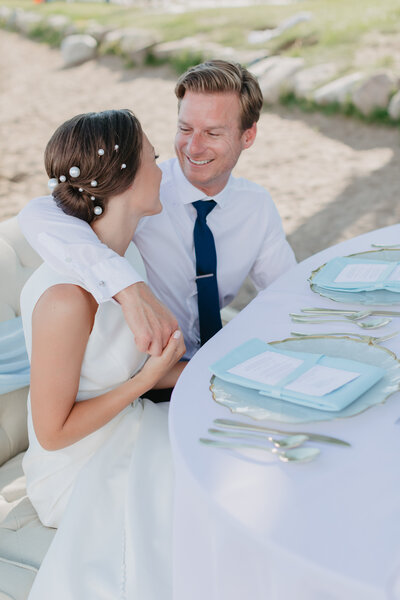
313, 380
14, 362
353, 274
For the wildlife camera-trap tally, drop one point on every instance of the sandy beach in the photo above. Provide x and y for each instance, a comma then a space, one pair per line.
331, 177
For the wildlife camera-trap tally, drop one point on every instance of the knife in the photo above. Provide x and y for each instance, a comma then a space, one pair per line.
228, 423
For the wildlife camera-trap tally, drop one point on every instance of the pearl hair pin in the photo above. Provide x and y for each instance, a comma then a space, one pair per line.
52, 183
116, 147
93, 183
123, 166
100, 152
81, 190
98, 210
74, 172
92, 198
63, 179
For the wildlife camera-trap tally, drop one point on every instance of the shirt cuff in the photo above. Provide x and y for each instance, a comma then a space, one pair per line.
108, 277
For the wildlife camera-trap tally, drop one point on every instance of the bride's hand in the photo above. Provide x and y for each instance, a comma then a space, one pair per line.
157, 367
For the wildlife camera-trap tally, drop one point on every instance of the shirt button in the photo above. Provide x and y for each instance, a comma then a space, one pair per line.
101, 283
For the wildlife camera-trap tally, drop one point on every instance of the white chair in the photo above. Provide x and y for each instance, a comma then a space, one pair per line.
23, 539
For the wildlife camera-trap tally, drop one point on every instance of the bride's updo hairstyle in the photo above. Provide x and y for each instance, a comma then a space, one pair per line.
91, 158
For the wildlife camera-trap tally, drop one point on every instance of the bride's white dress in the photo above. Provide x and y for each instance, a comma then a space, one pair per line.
110, 494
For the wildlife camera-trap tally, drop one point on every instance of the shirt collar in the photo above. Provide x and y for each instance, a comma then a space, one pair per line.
188, 193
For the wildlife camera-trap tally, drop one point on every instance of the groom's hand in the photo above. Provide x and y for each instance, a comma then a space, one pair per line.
150, 321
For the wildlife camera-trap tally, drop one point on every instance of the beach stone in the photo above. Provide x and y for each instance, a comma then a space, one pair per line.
373, 93
277, 80
5, 14
394, 107
26, 21
97, 31
338, 90
261, 67
259, 37
79, 48
167, 50
133, 43
61, 24
307, 80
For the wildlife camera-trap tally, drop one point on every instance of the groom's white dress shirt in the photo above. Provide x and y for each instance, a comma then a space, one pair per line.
248, 235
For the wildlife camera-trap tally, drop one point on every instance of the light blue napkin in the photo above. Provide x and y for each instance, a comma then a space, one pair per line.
325, 278
14, 362
334, 401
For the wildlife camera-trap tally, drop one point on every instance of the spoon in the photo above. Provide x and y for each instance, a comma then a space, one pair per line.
289, 441
356, 314
294, 455
363, 324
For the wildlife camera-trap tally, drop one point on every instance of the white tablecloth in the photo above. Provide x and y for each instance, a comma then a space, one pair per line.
249, 526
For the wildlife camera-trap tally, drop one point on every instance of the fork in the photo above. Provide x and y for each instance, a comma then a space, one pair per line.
371, 339
311, 320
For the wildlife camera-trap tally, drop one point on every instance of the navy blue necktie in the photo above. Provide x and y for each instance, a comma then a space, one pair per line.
206, 271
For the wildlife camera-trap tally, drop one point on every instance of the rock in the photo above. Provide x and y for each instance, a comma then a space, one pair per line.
76, 49
167, 50
277, 80
5, 14
338, 90
61, 24
394, 107
259, 37
26, 21
307, 80
97, 31
259, 68
133, 43
373, 93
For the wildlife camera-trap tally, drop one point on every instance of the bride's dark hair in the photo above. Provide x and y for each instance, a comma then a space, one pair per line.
118, 135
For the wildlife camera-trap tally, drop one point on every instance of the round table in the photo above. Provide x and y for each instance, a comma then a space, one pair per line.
249, 526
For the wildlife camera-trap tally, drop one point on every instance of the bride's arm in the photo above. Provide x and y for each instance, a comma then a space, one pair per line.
61, 325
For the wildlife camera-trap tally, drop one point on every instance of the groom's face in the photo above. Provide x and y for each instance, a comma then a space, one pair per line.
209, 139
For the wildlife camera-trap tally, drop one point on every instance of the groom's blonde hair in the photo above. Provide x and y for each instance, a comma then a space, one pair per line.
218, 76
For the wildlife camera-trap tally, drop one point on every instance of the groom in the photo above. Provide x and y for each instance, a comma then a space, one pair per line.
208, 215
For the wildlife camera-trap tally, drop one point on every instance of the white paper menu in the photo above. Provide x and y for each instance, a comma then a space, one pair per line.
360, 273
271, 367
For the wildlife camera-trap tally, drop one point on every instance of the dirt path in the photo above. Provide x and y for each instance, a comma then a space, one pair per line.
331, 177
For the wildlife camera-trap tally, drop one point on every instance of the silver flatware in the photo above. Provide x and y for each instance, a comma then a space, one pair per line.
384, 246
316, 437
294, 455
362, 324
372, 339
342, 311
285, 442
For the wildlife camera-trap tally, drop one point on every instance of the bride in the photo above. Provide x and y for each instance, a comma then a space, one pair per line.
98, 465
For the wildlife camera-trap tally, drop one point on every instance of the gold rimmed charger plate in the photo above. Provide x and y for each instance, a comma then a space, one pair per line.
249, 402
375, 297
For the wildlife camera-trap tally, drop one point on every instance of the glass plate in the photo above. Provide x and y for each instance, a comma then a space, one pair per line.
373, 297
249, 402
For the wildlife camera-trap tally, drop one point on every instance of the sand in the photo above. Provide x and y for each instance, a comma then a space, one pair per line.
331, 178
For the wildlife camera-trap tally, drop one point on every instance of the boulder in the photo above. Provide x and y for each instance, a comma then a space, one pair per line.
259, 37
5, 14
394, 107
278, 80
96, 30
167, 50
133, 43
61, 24
307, 80
26, 21
338, 90
259, 68
76, 49
373, 93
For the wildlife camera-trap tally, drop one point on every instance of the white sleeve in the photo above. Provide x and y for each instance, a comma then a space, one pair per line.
275, 256
71, 247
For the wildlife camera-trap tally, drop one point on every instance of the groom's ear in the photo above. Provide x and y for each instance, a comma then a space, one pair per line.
248, 136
